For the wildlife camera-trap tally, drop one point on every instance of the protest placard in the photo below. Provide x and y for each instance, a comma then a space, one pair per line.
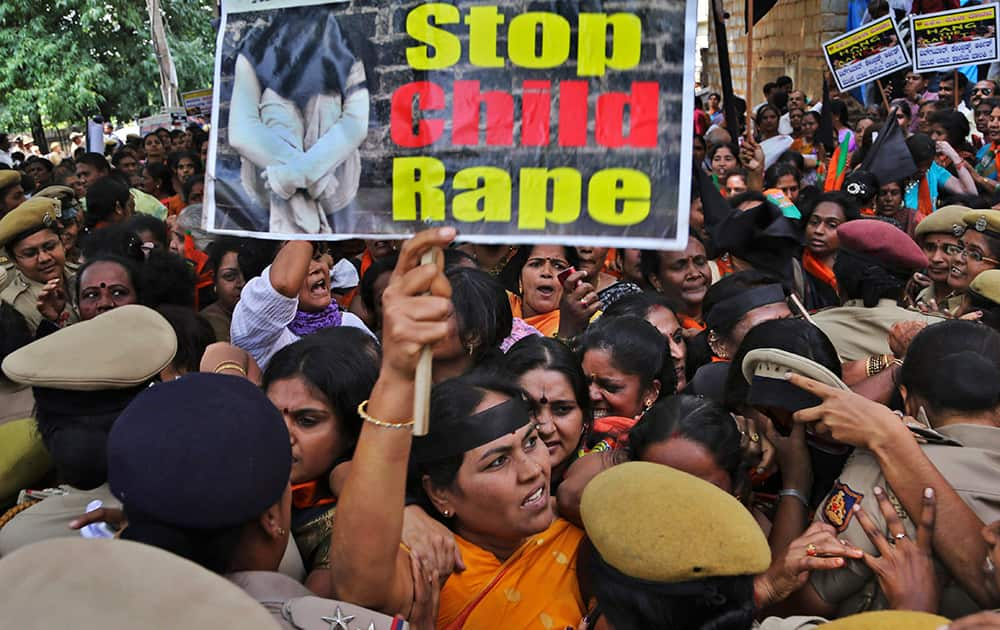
154, 122
524, 121
866, 53
198, 102
950, 39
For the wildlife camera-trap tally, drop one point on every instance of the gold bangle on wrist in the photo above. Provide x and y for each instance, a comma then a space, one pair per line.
363, 412
876, 363
230, 365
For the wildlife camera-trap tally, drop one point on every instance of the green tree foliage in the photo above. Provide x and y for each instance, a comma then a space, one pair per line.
65, 60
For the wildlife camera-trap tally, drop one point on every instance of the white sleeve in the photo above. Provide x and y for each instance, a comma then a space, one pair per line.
352, 320
261, 319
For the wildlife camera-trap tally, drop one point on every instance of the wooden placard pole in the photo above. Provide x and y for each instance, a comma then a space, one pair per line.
749, 65
425, 369
881, 90
954, 86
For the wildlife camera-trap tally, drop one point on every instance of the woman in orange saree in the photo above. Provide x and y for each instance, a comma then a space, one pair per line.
539, 298
482, 468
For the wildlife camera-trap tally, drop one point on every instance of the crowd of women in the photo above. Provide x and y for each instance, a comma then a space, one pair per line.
795, 421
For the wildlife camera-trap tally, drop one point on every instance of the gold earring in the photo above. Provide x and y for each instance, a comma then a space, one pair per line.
446, 513
282, 531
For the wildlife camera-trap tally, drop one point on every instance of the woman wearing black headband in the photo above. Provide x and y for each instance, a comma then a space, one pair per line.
733, 306
482, 468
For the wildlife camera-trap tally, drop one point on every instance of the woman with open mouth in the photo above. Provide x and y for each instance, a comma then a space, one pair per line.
628, 367
289, 300
542, 283
482, 469
550, 375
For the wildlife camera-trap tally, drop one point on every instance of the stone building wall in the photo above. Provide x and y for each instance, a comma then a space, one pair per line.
787, 41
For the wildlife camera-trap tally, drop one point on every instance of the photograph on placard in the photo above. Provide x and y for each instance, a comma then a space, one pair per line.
521, 122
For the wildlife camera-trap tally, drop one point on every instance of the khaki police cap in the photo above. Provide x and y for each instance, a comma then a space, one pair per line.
9, 177
765, 370
121, 348
118, 585
66, 195
36, 212
888, 620
987, 284
983, 221
55, 192
653, 522
774, 363
947, 220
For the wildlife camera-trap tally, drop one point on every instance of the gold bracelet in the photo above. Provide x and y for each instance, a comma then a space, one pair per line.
876, 363
230, 365
363, 412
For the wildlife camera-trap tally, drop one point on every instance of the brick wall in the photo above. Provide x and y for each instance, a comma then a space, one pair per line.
787, 41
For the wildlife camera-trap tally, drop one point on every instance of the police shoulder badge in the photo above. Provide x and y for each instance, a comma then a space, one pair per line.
981, 224
839, 506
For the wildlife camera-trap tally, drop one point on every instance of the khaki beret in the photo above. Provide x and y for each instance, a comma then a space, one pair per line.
983, 221
652, 522
55, 192
987, 285
37, 212
947, 220
888, 620
765, 370
66, 196
119, 349
9, 177
119, 585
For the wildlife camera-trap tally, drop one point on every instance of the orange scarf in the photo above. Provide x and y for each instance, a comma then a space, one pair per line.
366, 262
690, 322
304, 495
534, 588
925, 206
546, 323
818, 270
204, 277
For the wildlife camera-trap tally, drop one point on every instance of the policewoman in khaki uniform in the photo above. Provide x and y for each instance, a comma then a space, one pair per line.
30, 234
11, 191
118, 585
82, 376
980, 248
983, 295
874, 263
219, 495
939, 236
951, 383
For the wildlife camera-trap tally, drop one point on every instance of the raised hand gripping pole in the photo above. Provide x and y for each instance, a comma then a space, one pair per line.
425, 369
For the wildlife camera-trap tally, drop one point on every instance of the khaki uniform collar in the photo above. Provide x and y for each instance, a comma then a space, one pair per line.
973, 435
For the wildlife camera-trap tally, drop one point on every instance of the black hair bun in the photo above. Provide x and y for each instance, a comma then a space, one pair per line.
969, 381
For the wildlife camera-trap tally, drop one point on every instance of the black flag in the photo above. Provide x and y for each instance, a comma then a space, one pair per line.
760, 9
729, 99
713, 204
889, 159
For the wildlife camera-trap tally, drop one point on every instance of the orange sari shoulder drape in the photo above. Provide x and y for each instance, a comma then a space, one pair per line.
546, 323
818, 270
535, 588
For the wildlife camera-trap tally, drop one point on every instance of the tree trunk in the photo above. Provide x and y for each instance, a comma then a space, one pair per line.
168, 74
38, 131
